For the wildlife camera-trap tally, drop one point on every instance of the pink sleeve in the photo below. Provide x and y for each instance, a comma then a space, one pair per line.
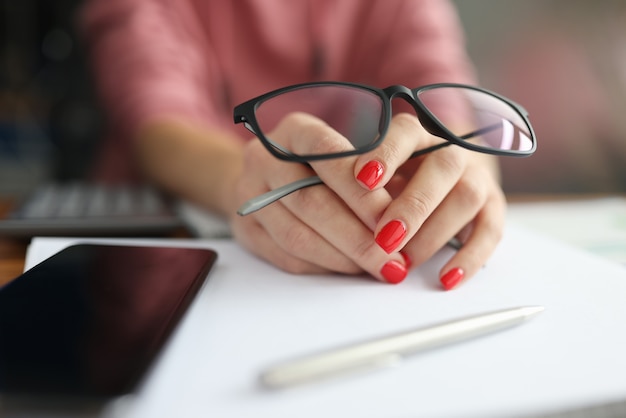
147, 61
414, 44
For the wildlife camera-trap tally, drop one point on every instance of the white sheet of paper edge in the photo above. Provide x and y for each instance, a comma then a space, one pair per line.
250, 315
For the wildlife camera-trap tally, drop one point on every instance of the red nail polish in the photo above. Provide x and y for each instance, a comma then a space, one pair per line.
393, 272
391, 235
452, 278
370, 174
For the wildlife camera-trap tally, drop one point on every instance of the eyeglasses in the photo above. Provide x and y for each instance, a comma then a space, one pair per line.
463, 115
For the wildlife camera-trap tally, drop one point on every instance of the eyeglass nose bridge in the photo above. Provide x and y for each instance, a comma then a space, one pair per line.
426, 120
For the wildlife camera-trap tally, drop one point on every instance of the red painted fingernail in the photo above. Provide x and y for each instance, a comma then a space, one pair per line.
391, 235
393, 271
370, 174
452, 278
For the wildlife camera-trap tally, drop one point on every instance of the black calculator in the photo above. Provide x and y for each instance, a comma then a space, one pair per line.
90, 209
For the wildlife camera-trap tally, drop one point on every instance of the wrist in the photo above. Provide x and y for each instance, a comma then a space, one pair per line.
192, 162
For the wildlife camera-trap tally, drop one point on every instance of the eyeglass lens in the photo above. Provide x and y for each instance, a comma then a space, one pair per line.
478, 117
357, 115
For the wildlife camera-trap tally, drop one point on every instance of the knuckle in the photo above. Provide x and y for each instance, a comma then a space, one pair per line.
408, 120
411, 125
306, 134
323, 140
391, 151
450, 161
311, 199
362, 252
419, 204
296, 239
471, 192
294, 119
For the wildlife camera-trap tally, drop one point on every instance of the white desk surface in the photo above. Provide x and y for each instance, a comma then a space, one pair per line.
250, 315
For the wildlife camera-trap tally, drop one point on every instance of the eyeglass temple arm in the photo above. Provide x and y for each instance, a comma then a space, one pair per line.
261, 201
463, 137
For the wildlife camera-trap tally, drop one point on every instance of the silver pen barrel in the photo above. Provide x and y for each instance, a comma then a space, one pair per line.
389, 350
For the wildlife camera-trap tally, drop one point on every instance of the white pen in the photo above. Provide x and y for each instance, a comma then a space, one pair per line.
391, 349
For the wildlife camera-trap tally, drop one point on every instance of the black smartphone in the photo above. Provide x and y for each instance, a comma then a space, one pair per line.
82, 327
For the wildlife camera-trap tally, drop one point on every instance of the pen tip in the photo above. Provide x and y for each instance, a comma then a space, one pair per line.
530, 311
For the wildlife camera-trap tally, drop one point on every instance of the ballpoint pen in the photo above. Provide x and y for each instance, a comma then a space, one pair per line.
390, 350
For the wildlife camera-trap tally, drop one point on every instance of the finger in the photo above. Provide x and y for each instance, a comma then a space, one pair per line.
332, 219
307, 135
252, 236
405, 135
330, 211
435, 178
274, 233
320, 230
248, 231
304, 134
456, 211
486, 232
303, 242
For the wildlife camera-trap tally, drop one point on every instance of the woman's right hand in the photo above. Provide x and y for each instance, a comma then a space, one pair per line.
313, 230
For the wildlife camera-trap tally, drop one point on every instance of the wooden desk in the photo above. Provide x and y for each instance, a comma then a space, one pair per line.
12, 252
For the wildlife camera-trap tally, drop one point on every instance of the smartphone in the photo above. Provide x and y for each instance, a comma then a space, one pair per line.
82, 327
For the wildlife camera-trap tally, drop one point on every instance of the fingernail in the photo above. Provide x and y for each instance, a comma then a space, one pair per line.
393, 271
370, 174
452, 278
391, 235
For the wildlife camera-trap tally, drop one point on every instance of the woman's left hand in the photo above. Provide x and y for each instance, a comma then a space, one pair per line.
449, 193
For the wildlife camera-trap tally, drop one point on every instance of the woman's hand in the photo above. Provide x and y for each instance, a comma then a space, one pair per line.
342, 226
452, 192
313, 230
361, 224
383, 203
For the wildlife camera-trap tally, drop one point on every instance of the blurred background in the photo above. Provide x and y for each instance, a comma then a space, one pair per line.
563, 60
50, 123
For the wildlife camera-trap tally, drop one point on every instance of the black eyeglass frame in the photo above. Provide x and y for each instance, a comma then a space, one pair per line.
246, 113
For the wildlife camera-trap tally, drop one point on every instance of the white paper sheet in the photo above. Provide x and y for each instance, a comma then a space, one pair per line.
251, 315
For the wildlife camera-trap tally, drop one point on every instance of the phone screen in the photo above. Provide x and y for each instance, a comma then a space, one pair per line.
88, 322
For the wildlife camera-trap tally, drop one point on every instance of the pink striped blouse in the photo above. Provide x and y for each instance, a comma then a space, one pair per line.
196, 59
